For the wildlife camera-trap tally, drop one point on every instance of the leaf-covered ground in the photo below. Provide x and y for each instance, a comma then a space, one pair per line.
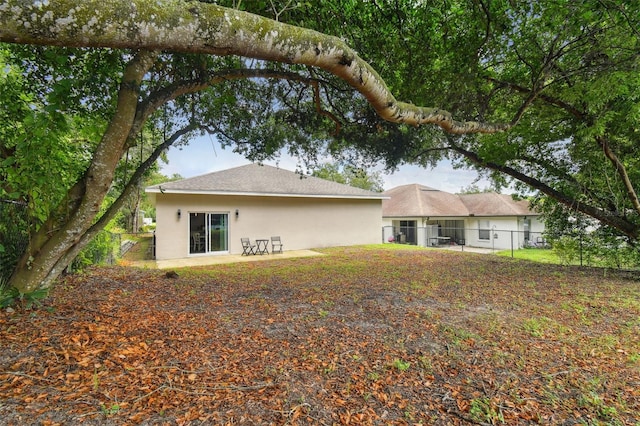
358, 336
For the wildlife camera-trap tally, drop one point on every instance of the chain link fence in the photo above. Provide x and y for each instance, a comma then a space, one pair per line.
439, 236
584, 249
104, 249
14, 237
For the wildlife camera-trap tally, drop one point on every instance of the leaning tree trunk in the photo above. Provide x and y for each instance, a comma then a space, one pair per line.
40, 265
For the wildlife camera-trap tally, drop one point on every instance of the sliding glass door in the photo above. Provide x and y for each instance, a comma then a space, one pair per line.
218, 230
208, 232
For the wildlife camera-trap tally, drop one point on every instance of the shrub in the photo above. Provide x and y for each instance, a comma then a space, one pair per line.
567, 249
99, 251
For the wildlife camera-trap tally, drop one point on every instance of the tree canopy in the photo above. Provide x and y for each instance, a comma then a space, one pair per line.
541, 93
351, 175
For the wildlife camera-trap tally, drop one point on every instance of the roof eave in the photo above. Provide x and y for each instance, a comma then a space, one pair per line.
264, 194
472, 215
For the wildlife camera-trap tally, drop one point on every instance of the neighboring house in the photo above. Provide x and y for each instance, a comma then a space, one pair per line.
417, 214
209, 214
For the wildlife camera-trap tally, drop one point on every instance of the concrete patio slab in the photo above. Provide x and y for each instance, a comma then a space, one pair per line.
220, 259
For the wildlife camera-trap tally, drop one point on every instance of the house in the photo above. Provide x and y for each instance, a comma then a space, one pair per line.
418, 214
209, 214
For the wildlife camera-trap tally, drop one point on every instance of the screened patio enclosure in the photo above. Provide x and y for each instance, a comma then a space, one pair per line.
448, 231
433, 233
405, 232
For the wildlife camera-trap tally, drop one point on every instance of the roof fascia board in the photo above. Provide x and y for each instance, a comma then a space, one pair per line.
263, 194
473, 216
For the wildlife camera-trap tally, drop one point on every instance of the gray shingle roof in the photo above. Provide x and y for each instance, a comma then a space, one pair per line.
255, 179
492, 204
422, 201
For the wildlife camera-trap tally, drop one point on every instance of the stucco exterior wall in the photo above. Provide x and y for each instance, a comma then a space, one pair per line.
505, 232
500, 235
302, 223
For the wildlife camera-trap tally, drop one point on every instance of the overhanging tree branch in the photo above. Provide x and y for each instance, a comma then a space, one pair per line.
195, 27
183, 87
616, 221
322, 111
548, 99
622, 172
555, 171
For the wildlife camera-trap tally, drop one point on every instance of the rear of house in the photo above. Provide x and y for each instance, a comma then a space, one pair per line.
209, 214
424, 216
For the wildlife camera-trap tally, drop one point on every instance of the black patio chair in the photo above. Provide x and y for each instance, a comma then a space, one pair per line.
276, 245
247, 247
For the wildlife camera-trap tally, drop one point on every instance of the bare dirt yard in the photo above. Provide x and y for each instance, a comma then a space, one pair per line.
365, 336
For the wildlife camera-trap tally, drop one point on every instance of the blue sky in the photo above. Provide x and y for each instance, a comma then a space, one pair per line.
204, 155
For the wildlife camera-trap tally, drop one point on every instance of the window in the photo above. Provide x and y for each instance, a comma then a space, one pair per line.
484, 230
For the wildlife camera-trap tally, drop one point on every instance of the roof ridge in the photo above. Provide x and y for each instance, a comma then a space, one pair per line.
511, 206
262, 179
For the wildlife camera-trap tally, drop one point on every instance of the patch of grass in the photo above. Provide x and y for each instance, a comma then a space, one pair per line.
605, 343
535, 326
485, 411
565, 257
533, 254
594, 402
400, 365
634, 358
109, 410
545, 327
393, 246
571, 306
457, 335
373, 376
422, 336
141, 248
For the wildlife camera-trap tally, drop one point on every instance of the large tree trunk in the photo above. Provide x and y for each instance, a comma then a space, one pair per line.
40, 265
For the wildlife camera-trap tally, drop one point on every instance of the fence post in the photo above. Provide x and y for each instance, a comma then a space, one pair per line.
511, 243
493, 238
581, 249
14, 236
